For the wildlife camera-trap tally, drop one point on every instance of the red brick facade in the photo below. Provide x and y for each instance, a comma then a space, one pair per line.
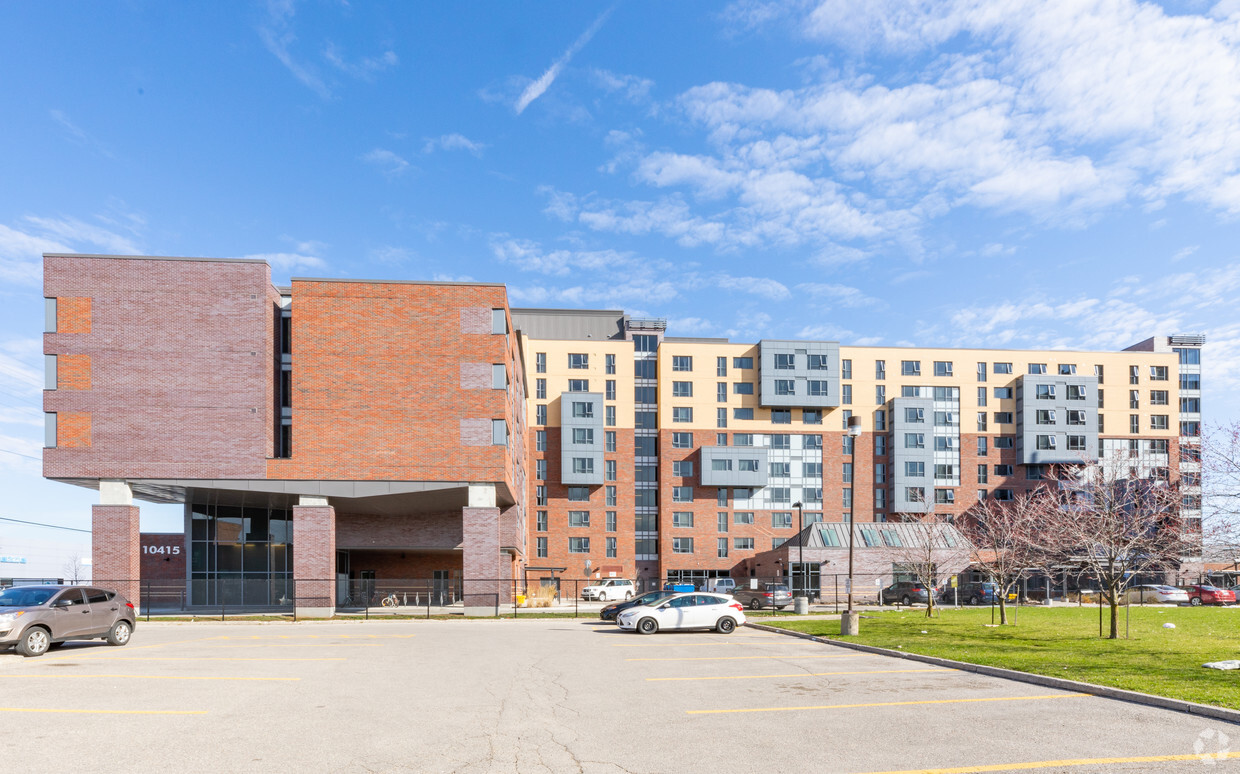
163, 557
314, 556
115, 549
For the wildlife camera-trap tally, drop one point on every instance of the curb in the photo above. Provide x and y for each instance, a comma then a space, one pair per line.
1134, 697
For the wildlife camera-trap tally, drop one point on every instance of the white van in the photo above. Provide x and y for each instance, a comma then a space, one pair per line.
721, 585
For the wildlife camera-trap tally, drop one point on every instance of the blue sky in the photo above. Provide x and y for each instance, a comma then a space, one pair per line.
1024, 174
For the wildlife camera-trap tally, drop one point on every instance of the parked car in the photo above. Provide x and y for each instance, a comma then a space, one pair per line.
609, 612
1210, 595
721, 585
609, 588
697, 610
36, 619
1156, 594
979, 593
772, 595
905, 592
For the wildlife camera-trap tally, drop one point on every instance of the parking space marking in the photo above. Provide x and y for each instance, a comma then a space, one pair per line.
890, 704
747, 658
103, 712
699, 644
323, 636
137, 647
204, 658
800, 674
307, 645
56, 675
1025, 766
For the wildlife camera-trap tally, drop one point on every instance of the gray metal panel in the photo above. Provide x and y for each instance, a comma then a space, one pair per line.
734, 477
568, 324
570, 450
800, 374
900, 455
1027, 428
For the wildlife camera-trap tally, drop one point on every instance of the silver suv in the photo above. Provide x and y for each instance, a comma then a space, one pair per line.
36, 619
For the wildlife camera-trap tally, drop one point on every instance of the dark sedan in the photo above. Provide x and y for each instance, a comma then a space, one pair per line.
609, 612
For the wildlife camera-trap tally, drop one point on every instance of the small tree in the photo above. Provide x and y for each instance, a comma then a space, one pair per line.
74, 569
1115, 525
1008, 538
938, 544
1220, 488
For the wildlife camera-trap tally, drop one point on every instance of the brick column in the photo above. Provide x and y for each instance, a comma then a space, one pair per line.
314, 558
116, 549
480, 560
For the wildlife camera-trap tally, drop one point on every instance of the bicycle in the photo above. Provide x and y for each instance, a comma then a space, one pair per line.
390, 600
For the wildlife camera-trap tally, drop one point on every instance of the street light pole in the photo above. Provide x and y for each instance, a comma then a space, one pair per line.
801, 546
850, 620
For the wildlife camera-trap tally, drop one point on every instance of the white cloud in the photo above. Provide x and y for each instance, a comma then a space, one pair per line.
758, 286
79, 135
22, 247
287, 262
837, 295
364, 69
536, 89
530, 256
390, 256
453, 142
633, 88
388, 162
278, 36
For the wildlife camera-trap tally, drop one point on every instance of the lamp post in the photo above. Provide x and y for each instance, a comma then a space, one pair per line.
801, 604
849, 620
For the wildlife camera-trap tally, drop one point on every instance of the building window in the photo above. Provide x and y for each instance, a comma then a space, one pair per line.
682, 518
682, 494
682, 545
1190, 405
880, 394
785, 387
682, 389
1002, 393
781, 520
1045, 442
1045, 416
742, 517
682, 414
845, 393
540, 469
981, 372
609, 496
982, 445
819, 363
578, 518
540, 440
742, 413
682, 440
781, 441
1159, 422
682, 363
1076, 443
785, 362
914, 469
542, 521
540, 414
880, 445
1067, 369
1003, 442
540, 389
578, 385
780, 469
579, 545
540, 362
1158, 373
915, 494
645, 343
811, 417
742, 544
910, 368
945, 496
583, 409
1003, 470
1190, 429
647, 395
721, 392
914, 440
682, 468
609, 440
981, 421
1037, 369
780, 494
781, 416
583, 435
499, 432
721, 366
540, 495
578, 361
1134, 374
1158, 397
1076, 392
583, 465
1044, 391
742, 363
742, 388
579, 494
1076, 417
880, 369
914, 415
542, 548
943, 368
610, 393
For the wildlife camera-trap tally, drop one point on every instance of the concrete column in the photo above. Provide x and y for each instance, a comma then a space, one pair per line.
480, 560
314, 557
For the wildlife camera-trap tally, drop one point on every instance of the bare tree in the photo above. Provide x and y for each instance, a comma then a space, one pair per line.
1115, 525
74, 569
1220, 487
1010, 537
937, 547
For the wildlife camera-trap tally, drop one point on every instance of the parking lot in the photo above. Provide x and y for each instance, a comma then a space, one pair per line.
552, 695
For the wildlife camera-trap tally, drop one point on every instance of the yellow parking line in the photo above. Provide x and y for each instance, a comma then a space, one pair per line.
888, 704
1204, 758
148, 677
309, 645
798, 674
747, 658
137, 647
104, 712
204, 658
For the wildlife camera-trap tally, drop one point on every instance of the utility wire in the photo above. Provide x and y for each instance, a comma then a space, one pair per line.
19, 454
49, 526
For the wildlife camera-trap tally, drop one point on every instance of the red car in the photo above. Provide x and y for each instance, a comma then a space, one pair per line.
1210, 595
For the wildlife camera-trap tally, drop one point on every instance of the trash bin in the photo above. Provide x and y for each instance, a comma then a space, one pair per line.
800, 605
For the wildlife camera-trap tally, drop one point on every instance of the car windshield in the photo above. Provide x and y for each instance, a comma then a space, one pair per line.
651, 597
25, 596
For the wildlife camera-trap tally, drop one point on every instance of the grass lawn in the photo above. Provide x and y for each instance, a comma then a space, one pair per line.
1064, 642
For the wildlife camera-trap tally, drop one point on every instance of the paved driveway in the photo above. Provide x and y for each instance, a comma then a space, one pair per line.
551, 695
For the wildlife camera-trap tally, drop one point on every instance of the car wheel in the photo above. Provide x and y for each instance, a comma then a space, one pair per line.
754, 604
119, 634
602, 596
725, 625
780, 607
1195, 601
34, 642
975, 601
647, 626
905, 600
628, 595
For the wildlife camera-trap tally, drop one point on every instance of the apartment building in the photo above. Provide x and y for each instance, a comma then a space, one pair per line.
337, 430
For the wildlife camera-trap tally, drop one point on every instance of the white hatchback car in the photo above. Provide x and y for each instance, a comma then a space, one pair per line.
1156, 594
609, 588
696, 610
